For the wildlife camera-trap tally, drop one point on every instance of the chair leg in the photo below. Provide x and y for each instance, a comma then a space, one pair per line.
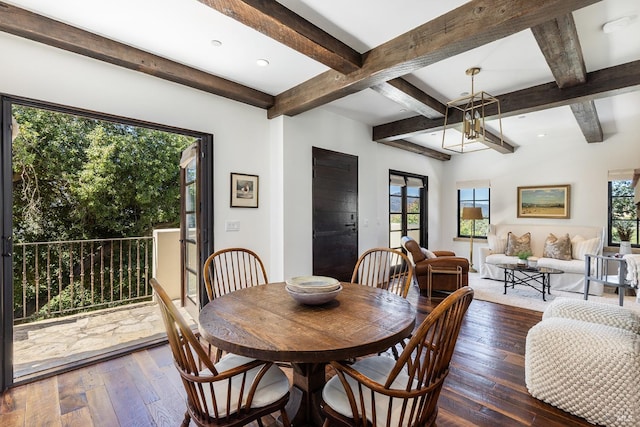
285, 418
259, 420
187, 419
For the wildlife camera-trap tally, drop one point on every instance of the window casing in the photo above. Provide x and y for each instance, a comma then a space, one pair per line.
474, 197
407, 208
622, 212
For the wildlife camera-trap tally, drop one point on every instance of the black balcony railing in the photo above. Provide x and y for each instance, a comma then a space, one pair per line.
54, 279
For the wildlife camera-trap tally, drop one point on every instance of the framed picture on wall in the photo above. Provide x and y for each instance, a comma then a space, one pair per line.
244, 190
544, 201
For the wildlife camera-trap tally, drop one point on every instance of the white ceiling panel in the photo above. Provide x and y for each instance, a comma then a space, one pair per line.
183, 31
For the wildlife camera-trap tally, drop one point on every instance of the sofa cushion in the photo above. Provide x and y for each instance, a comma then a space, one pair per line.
497, 244
581, 246
557, 247
570, 266
501, 259
516, 245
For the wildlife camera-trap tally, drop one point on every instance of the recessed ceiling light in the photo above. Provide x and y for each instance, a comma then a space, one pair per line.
262, 62
617, 24
542, 135
522, 117
464, 94
216, 43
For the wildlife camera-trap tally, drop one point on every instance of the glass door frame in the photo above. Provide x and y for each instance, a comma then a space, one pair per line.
202, 151
404, 228
6, 260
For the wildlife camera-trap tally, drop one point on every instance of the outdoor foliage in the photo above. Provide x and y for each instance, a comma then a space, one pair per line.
82, 178
78, 178
623, 212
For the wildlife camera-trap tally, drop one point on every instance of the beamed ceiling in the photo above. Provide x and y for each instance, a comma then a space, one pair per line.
390, 65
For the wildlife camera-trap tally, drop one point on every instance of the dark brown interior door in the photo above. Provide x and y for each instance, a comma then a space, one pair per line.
335, 213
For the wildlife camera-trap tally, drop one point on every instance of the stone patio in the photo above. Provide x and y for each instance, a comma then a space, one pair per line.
43, 345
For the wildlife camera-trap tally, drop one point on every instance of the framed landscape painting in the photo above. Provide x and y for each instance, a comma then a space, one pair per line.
544, 201
244, 191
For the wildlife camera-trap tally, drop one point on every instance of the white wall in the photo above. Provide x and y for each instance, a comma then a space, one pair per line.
241, 132
279, 151
323, 129
583, 165
245, 141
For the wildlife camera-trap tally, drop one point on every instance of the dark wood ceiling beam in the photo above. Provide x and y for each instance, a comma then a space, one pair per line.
493, 141
276, 21
471, 25
559, 43
23, 23
558, 40
417, 149
409, 96
588, 120
600, 84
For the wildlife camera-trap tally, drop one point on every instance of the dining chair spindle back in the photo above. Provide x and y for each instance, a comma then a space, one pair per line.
233, 392
230, 269
384, 268
380, 391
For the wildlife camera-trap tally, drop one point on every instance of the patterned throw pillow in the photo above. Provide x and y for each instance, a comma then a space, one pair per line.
516, 244
497, 245
557, 247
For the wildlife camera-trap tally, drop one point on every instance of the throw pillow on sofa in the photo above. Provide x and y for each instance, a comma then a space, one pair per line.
557, 247
581, 246
516, 245
497, 245
427, 253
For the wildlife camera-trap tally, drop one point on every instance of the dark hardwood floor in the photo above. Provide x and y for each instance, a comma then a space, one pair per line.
484, 388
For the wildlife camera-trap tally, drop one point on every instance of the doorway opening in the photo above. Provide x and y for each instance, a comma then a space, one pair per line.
85, 196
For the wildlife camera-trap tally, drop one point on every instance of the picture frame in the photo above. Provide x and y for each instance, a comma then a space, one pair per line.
544, 201
244, 190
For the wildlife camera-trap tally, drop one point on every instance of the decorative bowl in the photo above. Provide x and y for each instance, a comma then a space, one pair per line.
313, 298
312, 284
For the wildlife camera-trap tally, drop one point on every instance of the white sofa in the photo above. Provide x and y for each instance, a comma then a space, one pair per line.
571, 280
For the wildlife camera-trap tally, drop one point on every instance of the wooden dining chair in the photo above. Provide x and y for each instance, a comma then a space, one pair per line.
384, 268
380, 391
230, 269
233, 392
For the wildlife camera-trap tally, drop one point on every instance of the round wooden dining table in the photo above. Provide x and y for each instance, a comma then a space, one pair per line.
265, 323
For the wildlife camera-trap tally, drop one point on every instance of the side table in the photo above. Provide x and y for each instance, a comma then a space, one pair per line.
443, 270
596, 269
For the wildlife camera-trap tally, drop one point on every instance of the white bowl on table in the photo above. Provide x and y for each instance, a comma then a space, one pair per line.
312, 284
313, 290
314, 298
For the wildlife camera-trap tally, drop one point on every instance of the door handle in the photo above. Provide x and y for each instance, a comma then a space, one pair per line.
353, 224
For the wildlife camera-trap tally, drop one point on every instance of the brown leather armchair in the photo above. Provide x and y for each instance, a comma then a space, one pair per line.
444, 261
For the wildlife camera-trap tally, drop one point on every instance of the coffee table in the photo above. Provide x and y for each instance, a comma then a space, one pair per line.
529, 276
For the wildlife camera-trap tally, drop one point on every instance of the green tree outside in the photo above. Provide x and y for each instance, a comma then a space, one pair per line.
77, 178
